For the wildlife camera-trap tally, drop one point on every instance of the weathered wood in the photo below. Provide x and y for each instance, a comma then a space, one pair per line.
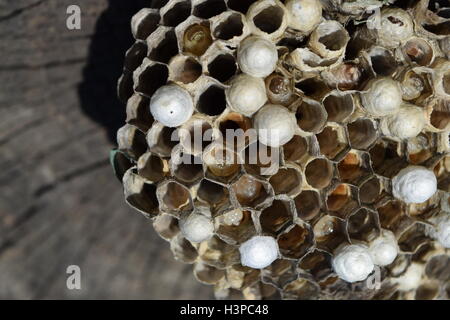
59, 201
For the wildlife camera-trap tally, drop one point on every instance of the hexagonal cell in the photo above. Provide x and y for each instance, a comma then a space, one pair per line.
261, 160
240, 5
319, 173
362, 133
386, 161
413, 238
317, 263
420, 148
207, 274
209, 8
437, 267
162, 45
197, 38
252, 193
370, 190
150, 167
196, 134
185, 167
234, 131
131, 141
382, 61
391, 215
339, 106
440, 113
176, 12
212, 101
120, 163
342, 200
144, 23
311, 116
232, 25
276, 217
149, 77
312, 87
135, 55
419, 51
333, 142
184, 69
416, 86
137, 112
363, 225
279, 270
240, 277
174, 198
222, 67
125, 86
217, 253
161, 140
221, 165
269, 20
301, 289
262, 291
296, 149
287, 180
183, 250
308, 204
235, 226
212, 193
329, 233
428, 290
442, 172
355, 167
139, 194
166, 226
295, 241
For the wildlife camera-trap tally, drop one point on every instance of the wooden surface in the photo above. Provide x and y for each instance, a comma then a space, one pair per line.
59, 201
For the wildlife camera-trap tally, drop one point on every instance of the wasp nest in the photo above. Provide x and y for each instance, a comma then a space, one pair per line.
350, 103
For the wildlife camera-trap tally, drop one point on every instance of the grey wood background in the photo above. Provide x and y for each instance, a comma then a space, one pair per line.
60, 203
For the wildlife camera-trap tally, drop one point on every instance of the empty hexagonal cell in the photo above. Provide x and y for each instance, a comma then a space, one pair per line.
176, 12
174, 197
209, 8
386, 160
196, 134
319, 173
251, 192
437, 267
217, 253
382, 61
212, 193
428, 290
120, 163
166, 226
197, 38
355, 167
149, 77
269, 19
362, 133
189, 171
440, 113
279, 270
329, 233
342, 200
125, 86
312, 87
135, 55
262, 291
162, 45
308, 204
161, 140
184, 69
333, 142
235, 226
287, 180
391, 215
234, 131
261, 160
222, 67
131, 141
139, 194
295, 241
370, 190
311, 116
150, 167
317, 263
339, 106
212, 100
183, 250
363, 225
144, 23
221, 164
301, 289
230, 25
240, 5
137, 112
207, 274
276, 217
413, 238
296, 149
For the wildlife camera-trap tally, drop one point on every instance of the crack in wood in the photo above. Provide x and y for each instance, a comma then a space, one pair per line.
19, 11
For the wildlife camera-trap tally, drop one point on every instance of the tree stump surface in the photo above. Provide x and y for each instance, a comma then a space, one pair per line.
60, 203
